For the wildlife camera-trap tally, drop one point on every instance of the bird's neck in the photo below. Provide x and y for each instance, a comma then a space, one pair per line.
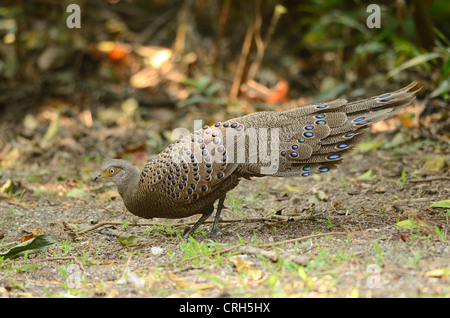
128, 190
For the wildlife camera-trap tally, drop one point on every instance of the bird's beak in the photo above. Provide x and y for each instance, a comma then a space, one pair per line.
100, 176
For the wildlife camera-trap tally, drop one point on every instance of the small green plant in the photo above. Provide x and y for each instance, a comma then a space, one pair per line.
290, 266
320, 260
403, 178
342, 255
422, 61
163, 229
65, 247
236, 206
87, 259
198, 252
308, 280
344, 183
402, 181
414, 260
379, 253
202, 91
277, 209
441, 235
14, 268
63, 271
330, 224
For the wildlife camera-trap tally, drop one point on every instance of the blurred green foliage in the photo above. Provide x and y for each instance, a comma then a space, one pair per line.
330, 37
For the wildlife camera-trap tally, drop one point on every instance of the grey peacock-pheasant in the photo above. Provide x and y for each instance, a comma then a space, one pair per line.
201, 167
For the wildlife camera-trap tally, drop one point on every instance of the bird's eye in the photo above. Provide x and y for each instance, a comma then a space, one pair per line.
111, 171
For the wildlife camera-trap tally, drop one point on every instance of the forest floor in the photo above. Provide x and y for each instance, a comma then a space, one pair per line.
364, 230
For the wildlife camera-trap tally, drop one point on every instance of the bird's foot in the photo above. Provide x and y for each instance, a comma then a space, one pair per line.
215, 232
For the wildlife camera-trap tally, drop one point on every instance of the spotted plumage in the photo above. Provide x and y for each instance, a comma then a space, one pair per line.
199, 168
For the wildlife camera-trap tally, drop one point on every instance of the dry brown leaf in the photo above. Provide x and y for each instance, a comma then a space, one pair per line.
434, 163
438, 272
294, 188
185, 284
30, 236
3, 292
279, 93
113, 293
109, 195
245, 267
406, 121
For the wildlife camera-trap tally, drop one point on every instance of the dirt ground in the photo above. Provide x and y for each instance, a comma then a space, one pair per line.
364, 230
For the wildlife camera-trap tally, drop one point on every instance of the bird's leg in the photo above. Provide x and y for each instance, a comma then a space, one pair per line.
215, 228
196, 225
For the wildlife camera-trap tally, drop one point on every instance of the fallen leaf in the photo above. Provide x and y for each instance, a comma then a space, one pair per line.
403, 237
438, 272
77, 193
366, 176
113, 293
321, 195
30, 236
354, 293
52, 130
279, 93
244, 267
406, 121
380, 190
3, 292
412, 224
35, 245
434, 163
293, 188
312, 199
125, 241
406, 224
109, 195
185, 284
445, 204
8, 187
8, 156
302, 273
397, 140
369, 145
118, 54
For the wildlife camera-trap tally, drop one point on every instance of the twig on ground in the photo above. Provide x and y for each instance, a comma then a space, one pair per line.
246, 220
428, 179
61, 258
303, 238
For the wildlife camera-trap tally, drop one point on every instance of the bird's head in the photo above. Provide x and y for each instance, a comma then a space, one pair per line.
117, 170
